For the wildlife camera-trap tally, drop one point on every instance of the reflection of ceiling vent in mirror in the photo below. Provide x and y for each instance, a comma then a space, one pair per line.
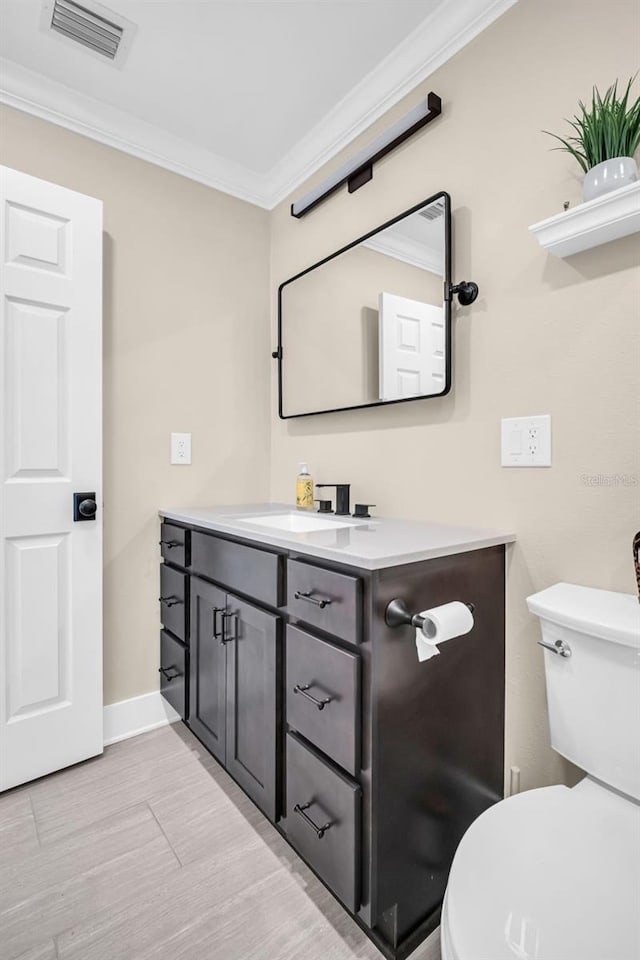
433, 211
96, 28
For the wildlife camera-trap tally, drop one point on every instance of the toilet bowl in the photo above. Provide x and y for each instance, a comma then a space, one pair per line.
554, 873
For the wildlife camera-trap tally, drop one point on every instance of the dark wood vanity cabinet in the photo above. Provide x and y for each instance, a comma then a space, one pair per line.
370, 763
234, 653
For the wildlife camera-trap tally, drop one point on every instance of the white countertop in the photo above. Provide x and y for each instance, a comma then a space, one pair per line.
370, 544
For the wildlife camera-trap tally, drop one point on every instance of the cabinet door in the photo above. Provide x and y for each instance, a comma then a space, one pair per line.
207, 678
253, 648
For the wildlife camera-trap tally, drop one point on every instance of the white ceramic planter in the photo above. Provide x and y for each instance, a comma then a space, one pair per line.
609, 175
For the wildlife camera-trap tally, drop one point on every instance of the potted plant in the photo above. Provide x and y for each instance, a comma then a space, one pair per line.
606, 136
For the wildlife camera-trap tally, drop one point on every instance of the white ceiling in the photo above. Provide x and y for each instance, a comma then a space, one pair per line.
248, 95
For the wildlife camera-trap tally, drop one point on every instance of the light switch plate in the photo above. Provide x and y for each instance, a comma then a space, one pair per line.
526, 441
181, 448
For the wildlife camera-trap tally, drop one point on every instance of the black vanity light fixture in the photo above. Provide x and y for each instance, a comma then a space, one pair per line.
359, 170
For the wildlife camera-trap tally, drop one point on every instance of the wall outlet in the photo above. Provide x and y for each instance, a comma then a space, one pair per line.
526, 441
181, 448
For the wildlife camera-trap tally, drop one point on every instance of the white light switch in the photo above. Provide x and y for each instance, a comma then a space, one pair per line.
181, 448
526, 442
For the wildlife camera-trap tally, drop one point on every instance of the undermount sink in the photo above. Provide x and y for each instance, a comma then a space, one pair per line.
296, 522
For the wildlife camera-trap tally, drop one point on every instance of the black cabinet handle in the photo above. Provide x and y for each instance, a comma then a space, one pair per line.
319, 831
169, 677
170, 601
217, 628
226, 617
303, 687
322, 602
170, 544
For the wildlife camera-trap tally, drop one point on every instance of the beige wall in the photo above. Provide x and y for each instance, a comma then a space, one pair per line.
546, 335
186, 346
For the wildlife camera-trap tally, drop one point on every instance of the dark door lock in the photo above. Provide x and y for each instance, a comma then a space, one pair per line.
84, 506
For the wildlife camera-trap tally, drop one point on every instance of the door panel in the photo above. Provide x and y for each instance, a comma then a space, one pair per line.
412, 344
50, 445
207, 658
253, 640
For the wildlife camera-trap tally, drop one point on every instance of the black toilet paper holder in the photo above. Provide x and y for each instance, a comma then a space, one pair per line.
398, 614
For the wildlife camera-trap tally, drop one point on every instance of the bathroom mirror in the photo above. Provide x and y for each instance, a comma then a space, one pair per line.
371, 323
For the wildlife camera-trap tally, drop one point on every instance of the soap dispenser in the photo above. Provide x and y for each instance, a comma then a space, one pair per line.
304, 489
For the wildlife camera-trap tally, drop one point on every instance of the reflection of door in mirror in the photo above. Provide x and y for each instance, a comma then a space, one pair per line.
369, 324
411, 348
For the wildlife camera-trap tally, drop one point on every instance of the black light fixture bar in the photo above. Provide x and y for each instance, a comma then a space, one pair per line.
358, 171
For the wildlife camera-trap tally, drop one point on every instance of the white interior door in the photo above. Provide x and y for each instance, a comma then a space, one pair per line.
50, 447
412, 344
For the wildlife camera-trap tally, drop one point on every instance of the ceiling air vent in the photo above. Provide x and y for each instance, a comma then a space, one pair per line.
433, 211
99, 30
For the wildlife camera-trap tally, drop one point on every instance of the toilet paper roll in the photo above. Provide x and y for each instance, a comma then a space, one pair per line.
439, 624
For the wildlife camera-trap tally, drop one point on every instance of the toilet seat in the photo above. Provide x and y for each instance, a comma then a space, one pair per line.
550, 874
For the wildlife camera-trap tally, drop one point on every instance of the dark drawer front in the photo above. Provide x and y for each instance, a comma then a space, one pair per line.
331, 676
323, 820
255, 573
328, 600
173, 606
174, 544
173, 672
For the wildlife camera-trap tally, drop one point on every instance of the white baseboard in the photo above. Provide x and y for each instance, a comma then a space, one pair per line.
128, 718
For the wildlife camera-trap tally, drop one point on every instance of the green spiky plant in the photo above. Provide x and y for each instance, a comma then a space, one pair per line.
608, 128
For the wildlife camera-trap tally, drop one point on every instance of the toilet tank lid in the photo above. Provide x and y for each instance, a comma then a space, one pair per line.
601, 613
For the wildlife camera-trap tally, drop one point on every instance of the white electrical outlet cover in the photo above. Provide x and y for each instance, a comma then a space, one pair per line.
526, 441
181, 449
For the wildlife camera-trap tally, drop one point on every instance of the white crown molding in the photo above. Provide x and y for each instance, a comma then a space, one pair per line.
35, 94
454, 24
128, 718
438, 38
408, 251
606, 218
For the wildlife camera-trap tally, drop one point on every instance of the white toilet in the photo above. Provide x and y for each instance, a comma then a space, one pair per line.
554, 873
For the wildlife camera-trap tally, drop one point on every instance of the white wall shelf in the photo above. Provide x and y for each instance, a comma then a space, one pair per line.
614, 215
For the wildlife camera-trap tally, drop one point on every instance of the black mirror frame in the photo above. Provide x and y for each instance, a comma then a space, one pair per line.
466, 291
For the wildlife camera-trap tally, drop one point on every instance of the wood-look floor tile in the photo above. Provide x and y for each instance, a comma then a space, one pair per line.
101, 889
45, 951
87, 797
233, 865
24, 877
18, 834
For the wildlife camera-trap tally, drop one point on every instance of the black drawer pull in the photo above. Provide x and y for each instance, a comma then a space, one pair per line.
226, 617
319, 831
303, 687
170, 601
169, 677
322, 603
170, 544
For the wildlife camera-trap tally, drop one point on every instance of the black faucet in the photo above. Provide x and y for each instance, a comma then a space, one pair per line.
342, 497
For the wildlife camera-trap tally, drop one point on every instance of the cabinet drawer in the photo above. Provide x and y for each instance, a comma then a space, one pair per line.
173, 672
331, 721
174, 544
326, 599
255, 573
173, 590
323, 820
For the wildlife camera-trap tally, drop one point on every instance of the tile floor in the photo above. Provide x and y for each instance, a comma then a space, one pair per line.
151, 852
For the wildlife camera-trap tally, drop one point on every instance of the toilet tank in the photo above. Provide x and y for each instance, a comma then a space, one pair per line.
593, 695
